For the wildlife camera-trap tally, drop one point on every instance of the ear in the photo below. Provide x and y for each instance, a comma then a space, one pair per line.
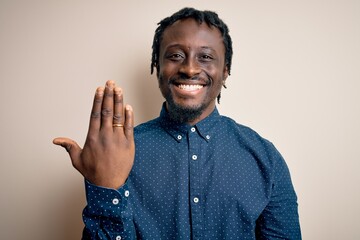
225, 73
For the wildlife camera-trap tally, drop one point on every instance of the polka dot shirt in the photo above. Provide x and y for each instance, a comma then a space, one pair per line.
214, 180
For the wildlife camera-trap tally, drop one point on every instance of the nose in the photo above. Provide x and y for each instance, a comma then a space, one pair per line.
190, 67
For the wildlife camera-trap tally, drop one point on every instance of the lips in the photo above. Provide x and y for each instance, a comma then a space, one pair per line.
190, 87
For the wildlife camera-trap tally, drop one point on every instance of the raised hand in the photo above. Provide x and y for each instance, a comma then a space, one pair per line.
108, 154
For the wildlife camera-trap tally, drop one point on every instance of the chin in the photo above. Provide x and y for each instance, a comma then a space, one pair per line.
184, 113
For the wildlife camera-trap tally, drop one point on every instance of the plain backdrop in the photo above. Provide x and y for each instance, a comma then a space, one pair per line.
295, 80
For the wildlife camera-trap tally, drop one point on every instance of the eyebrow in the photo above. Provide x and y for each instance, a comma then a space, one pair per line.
179, 45
208, 48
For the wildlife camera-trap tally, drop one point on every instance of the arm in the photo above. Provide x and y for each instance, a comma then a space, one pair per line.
280, 219
108, 214
106, 161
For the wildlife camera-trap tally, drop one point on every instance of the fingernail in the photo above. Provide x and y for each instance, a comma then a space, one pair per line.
110, 84
100, 91
117, 91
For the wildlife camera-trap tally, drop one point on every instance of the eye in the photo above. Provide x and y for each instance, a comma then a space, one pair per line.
175, 56
206, 57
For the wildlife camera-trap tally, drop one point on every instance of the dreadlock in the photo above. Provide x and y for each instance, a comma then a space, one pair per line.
211, 18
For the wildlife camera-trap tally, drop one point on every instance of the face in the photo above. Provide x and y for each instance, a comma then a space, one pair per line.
191, 69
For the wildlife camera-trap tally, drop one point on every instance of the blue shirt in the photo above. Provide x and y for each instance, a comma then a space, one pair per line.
214, 180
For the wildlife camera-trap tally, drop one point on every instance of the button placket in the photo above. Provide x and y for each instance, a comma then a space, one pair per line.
195, 153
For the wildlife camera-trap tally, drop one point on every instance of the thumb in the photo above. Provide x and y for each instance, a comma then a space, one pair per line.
70, 146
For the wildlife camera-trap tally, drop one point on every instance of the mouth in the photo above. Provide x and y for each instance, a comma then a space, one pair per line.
190, 87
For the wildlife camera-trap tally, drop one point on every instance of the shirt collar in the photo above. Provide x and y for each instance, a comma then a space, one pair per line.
179, 130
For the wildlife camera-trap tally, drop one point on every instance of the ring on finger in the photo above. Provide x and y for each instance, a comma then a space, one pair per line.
118, 125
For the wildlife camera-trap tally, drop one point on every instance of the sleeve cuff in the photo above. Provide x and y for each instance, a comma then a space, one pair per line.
106, 202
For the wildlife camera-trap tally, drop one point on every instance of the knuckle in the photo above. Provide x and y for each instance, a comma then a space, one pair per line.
67, 146
117, 117
98, 99
91, 140
118, 100
95, 114
128, 127
106, 112
108, 94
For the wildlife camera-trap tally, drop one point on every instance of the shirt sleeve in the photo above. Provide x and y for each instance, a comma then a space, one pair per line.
280, 219
108, 214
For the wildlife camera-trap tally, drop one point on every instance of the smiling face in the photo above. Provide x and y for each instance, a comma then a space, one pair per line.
191, 69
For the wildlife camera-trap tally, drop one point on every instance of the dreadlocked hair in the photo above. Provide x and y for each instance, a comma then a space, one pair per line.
211, 19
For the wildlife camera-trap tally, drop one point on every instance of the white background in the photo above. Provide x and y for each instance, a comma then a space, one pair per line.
295, 80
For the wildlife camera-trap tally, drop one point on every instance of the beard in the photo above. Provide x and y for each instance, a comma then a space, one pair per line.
183, 114
180, 113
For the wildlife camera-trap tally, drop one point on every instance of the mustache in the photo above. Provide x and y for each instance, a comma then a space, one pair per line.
183, 78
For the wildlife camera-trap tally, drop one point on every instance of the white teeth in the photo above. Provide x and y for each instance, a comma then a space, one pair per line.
190, 87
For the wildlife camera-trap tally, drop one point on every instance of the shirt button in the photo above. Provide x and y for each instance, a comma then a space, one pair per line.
127, 193
194, 157
207, 137
118, 237
115, 201
179, 137
193, 129
196, 200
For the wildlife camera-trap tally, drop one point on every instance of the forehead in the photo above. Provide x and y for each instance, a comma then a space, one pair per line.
189, 33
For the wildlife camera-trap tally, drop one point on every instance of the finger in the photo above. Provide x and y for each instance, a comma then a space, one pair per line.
107, 109
95, 117
118, 117
129, 123
71, 147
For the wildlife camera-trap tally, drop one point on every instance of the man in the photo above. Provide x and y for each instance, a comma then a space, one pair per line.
196, 174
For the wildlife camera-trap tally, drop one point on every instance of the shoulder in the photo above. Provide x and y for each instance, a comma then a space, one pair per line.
249, 139
244, 132
261, 149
